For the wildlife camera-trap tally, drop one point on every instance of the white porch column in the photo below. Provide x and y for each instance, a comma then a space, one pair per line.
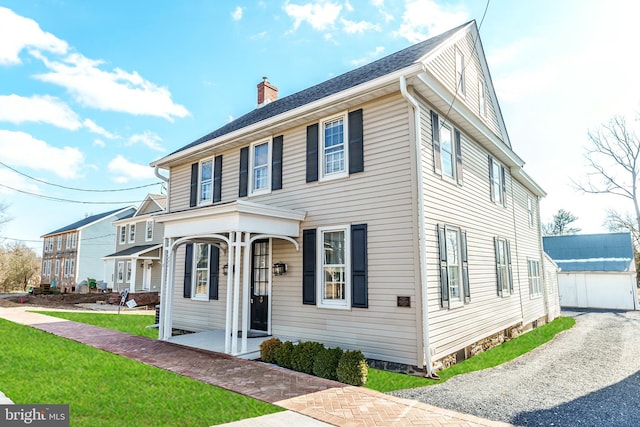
163, 286
227, 327
246, 274
134, 271
168, 297
236, 292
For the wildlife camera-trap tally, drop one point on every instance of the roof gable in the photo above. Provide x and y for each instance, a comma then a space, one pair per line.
153, 203
381, 67
591, 252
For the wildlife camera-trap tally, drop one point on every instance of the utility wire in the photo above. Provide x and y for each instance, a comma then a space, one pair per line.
58, 199
75, 188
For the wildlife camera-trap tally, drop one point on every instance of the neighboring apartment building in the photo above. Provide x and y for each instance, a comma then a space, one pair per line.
382, 210
137, 260
73, 253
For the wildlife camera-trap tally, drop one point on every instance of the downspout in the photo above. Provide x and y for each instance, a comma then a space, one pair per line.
156, 172
421, 228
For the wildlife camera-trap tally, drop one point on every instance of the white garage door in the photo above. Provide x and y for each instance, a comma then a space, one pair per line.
590, 290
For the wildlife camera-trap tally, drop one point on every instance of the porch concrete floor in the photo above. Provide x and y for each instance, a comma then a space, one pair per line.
214, 341
328, 401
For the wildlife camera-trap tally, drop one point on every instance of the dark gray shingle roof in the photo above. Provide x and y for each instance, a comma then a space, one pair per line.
83, 222
388, 64
133, 250
590, 252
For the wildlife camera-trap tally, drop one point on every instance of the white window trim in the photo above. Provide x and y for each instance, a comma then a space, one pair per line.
132, 230
146, 230
127, 273
460, 79
122, 238
345, 139
120, 272
459, 302
322, 303
267, 190
534, 293
506, 290
501, 198
59, 247
453, 177
74, 240
67, 244
57, 269
531, 211
202, 201
194, 275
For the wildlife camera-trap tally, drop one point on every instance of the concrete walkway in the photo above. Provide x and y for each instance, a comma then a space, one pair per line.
319, 399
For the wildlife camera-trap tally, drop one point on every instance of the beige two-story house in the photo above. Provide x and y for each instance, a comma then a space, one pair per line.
383, 210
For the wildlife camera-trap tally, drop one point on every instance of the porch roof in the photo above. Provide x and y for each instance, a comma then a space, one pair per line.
134, 251
239, 215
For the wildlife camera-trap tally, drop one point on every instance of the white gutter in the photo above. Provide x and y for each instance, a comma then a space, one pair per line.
421, 228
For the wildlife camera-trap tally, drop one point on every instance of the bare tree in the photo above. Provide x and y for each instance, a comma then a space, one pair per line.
613, 158
560, 224
20, 267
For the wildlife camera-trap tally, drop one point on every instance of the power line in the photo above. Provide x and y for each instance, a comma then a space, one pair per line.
75, 188
58, 199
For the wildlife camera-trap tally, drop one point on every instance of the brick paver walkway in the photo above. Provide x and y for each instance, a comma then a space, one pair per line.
325, 400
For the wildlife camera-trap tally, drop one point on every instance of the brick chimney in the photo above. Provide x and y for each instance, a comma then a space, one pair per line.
266, 92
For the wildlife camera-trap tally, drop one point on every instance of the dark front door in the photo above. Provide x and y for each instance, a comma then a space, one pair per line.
260, 272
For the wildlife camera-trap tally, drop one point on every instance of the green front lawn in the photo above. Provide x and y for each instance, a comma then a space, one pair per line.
387, 381
134, 324
104, 389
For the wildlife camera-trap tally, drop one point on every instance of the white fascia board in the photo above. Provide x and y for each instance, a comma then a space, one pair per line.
496, 146
528, 182
239, 206
312, 107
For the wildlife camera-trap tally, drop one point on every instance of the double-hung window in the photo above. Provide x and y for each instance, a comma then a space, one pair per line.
497, 182
148, 235
120, 272
74, 240
68, 241
503, 266
333, 146
482, 99
128, 276
260, 167
123, 234
447, 149
334, 253
447, 154
535, 285
57, 270
531, 210
59, 242
206, 181
132, 233
201, 270
454, 272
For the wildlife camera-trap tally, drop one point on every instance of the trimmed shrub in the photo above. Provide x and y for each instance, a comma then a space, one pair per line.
283, 354
268, 349
352, 368
326, 362
304, 354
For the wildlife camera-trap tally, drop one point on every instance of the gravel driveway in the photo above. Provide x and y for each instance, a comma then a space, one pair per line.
587, 376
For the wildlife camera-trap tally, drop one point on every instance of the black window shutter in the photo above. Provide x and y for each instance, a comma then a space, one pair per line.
465, 267
188, 269
458, 156
244, 172
504, 185
435, 137
497, 249
508, 249
356, 145
491, 195
276, 163
309, 266
214, 267
193, 188
359, 268
444, 279
312, 152
217, 179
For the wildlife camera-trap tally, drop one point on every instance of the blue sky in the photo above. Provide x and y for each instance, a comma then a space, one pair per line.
91, 92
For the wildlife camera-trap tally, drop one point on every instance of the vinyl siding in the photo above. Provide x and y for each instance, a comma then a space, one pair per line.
382, 197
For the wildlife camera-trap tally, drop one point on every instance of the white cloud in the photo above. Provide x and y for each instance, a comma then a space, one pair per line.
117, 90
148, 138
320, 14
93, 127
377, 3
426, 18
39, 109
236, 15
352, 27
369, 57
18, 33
21, 149
99, 143
348, 6
258, 36
125, 171
509, 53
13, 180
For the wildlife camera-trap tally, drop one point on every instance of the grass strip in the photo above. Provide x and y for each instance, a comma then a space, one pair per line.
134, 324
105, 389
385, 381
